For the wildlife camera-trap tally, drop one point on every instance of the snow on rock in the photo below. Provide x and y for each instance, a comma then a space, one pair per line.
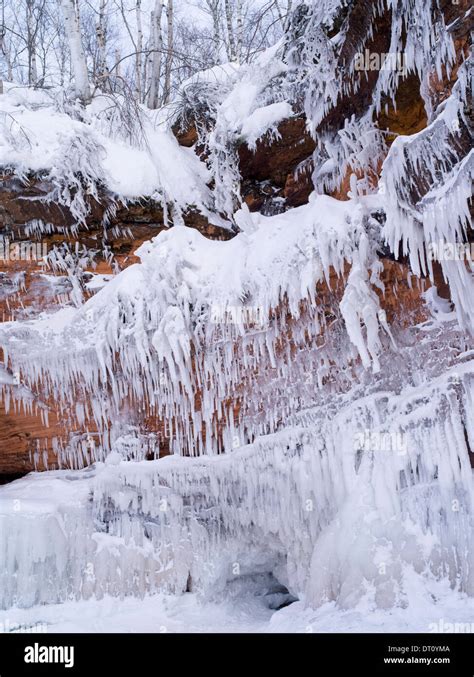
264, 119
81, 151
195, 316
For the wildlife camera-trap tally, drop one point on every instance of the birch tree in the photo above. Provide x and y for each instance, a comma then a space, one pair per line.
3, 45
31, 30
214, 8
135, 33
78, 58
240, 29
169, 51
156, 52
139, 50
231, 46
101, 33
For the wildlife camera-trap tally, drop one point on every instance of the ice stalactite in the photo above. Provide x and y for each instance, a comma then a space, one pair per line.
330, 511
427, 181
329, 47
360, 305
198, 343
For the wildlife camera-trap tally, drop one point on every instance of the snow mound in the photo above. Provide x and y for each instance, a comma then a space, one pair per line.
81, 152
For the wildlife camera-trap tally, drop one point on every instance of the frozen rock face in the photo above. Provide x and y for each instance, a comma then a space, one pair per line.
275, 129
191, 346
305, 356
354, 499
31, 440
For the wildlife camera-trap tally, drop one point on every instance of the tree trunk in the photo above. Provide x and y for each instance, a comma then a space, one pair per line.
138, 58
214, 7
240, 30
2, 39
155, 56
118, 61
78, 58
288, 13
101, 43
169, 57
31, 43
231, 51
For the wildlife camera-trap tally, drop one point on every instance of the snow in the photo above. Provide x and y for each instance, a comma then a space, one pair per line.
97, 281
160, 613
222, 75
38, 138
263, 119
164, 168
329, 471
441, 216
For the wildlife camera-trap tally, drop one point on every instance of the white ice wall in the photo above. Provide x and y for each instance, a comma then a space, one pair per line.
332, 517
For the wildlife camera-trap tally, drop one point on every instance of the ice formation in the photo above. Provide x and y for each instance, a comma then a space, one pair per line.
329, 515
332, 448
157, 336
442, 158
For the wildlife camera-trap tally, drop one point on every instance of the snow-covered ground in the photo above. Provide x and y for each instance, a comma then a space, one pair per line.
432, 609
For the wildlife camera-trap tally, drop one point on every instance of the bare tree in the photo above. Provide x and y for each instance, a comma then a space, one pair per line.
4, 51
114, 42
284, 15
35, 39
169, 51
239, 37
60, 49
139, 48
214, 8
78, 59
231, 45
156, 53
135, 33
101, 33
